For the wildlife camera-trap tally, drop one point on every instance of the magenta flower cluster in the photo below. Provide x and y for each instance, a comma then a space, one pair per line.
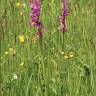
63, 16
35, 22
35, 6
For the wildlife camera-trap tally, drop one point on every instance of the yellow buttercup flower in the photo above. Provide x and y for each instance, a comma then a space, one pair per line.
71, 54
66, 57
19, 4
21, 38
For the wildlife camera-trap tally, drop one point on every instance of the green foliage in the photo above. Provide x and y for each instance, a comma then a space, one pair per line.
59, 64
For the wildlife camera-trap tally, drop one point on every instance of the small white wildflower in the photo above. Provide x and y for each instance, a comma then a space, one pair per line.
6, 53
62, 53
24, 5
22, 63
15, 77
53, 48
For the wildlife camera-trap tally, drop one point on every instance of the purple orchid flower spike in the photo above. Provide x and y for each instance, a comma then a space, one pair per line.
63, 16
35, 22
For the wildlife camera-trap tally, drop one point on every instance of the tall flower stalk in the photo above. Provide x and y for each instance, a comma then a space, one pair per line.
63, 16
35, 6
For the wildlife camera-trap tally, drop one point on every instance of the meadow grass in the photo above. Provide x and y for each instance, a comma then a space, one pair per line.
59, 64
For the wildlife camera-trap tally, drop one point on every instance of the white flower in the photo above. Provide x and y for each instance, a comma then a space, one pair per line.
15, 77
24, 5
22, 63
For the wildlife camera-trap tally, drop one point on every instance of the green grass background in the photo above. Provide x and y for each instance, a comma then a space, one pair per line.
45, 71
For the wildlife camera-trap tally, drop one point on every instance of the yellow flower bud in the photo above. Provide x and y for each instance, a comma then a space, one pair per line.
21, 39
